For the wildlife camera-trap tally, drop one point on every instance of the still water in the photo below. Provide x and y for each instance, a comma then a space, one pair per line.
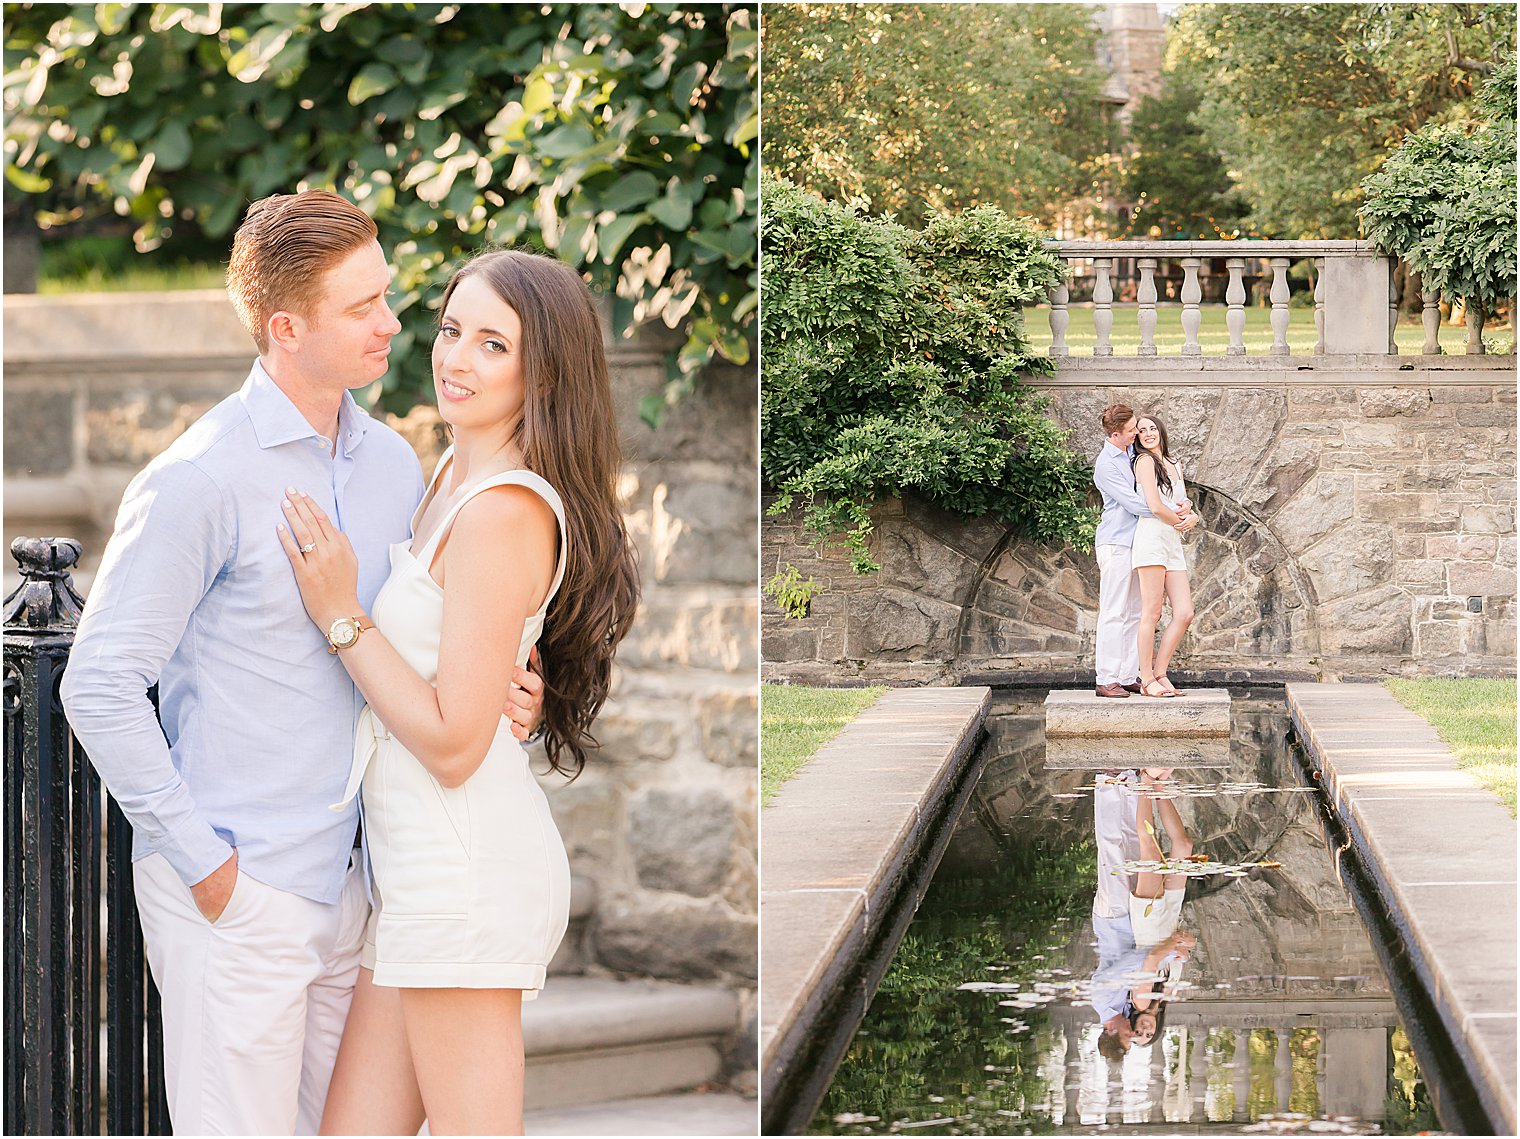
1275, 1015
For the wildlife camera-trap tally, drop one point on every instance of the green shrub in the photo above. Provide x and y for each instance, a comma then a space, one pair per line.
621, 138
893, 361
1444, 201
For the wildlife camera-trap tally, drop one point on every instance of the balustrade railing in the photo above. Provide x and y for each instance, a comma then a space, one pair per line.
1356, 301
64, 933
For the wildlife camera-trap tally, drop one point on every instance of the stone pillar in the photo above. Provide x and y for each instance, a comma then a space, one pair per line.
1198, 1073
1241, 1063
1357, 1062
1073, 1035
1103, 306
1146, 317
1474, 311
1319, 307
1191, 317
1356, 306
1059, 318
1393, 310
1235, 315
1280, 306
1283, 1068
1431, 316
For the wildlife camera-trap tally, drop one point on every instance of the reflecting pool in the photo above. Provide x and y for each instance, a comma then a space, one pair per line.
1051, 983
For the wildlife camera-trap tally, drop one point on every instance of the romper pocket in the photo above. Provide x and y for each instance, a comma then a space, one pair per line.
455, 802
418, 839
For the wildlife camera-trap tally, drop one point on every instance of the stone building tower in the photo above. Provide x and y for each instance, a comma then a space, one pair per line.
1131, 48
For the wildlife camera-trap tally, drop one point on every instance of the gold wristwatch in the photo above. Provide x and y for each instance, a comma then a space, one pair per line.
344, 633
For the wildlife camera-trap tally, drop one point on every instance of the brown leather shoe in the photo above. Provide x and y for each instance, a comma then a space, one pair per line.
1135, 687
1114, 691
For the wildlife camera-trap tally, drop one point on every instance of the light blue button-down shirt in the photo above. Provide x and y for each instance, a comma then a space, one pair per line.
195, 593
1123, 505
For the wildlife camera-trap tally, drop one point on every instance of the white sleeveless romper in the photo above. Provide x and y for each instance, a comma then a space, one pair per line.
471, 884
1157, 543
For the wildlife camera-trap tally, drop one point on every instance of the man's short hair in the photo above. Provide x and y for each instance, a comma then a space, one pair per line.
1115, 416
285, 244
1112, 1048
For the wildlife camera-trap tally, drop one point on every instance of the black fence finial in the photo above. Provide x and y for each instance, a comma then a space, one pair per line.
46, 600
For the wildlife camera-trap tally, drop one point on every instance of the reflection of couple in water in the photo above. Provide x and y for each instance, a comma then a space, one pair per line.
1135, 915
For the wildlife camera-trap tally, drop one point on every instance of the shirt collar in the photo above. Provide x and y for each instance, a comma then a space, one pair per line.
277, 421
1127, 452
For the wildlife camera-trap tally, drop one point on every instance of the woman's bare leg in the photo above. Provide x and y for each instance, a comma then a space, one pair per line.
1152, 585
1180, 594
373, 1089
1147, 884
1178, 839
467, 1050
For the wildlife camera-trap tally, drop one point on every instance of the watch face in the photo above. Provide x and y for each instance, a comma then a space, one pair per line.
343, 632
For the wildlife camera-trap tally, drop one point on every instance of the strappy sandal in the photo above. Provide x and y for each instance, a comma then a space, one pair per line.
1170, 687
1164, 693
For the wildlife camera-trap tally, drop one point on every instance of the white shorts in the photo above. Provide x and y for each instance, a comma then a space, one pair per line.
1153, 920
1157, 544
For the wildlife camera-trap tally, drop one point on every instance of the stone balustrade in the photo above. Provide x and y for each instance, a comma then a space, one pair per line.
1355, 300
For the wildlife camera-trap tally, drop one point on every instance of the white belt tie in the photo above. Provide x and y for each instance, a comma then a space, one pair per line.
368, 733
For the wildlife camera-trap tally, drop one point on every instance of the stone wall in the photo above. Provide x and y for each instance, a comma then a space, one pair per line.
661, 825
1359, 520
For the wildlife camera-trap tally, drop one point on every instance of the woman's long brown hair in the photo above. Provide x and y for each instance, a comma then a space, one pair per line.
1163, 480
568, 435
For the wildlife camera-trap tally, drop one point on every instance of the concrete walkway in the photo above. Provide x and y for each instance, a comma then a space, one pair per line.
836, 841
1441, 850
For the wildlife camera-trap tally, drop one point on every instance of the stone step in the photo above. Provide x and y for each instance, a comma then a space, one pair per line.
1202, 712
695, 1113
1095, 753
593, 1040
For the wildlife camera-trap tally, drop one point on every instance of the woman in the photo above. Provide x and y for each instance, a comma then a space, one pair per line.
1155, 899
1163, 970
1157, 555
518, 541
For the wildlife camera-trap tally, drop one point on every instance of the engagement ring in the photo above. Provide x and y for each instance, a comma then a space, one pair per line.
308, 548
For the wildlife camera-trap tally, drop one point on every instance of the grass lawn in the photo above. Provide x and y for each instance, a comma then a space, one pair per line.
1214, 335
1476, 718
147, 279
796, 721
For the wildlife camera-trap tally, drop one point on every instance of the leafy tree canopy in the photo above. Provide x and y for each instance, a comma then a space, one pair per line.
1445, 200
619, 137
1175, 174
892, 363
1304, 100
911, 108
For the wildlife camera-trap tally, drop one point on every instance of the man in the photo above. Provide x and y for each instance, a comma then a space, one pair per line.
1118, 648
248, 885
1116, 843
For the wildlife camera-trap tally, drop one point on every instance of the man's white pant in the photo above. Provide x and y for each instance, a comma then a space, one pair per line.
253, 1005
1118, 651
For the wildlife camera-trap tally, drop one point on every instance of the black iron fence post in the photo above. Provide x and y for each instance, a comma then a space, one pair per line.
58, 822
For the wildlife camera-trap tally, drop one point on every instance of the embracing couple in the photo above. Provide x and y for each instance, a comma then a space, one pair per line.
330, 638
1140, 561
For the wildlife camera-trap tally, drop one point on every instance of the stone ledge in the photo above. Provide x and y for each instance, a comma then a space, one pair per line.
1202, 712
833, 855
695, 1113
623, 1038
1091, 753
1441, 851
578, 1013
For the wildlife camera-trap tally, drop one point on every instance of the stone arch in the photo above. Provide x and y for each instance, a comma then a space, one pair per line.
1034, 608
